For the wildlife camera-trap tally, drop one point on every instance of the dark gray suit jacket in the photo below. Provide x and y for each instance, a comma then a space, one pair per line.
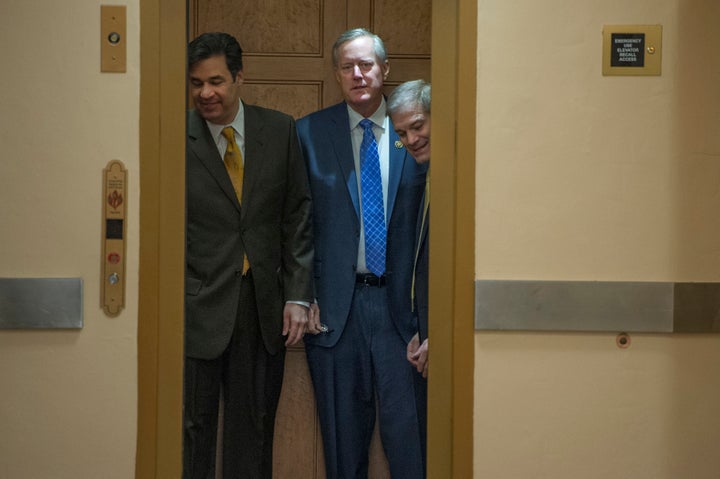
273, 227
327, 147
422, 247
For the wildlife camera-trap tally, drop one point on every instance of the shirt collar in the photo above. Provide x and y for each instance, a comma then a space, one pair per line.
378, 117
238, 124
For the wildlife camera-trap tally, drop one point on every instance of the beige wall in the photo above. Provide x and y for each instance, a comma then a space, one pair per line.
68, 406
585, 177
579, 177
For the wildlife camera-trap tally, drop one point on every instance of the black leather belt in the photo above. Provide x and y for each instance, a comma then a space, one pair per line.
369, 279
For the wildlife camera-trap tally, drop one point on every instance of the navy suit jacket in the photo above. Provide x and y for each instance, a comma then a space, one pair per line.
272, 227
327, 147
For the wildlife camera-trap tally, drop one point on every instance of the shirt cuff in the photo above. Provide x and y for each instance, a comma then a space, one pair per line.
301, 303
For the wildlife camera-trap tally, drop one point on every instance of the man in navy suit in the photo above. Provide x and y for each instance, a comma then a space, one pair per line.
409, 109
360, 359
248, 281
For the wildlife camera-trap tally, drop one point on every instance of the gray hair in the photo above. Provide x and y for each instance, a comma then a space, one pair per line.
409, 95
351, 35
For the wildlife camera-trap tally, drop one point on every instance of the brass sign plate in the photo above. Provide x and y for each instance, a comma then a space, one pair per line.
113, 44
632, 50
112, 282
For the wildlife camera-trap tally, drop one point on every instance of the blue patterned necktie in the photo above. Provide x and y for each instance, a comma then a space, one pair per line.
373, 210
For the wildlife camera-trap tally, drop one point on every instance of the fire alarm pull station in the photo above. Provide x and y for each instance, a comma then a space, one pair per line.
112, 284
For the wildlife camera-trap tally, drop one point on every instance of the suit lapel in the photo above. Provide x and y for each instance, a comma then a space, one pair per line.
421, 226
339, 132
254, 143
397, 158
202, 145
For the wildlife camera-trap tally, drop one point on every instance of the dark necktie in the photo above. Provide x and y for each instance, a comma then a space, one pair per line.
373, 210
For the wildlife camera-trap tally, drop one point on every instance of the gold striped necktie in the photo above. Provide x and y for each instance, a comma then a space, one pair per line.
234, 164
234, 161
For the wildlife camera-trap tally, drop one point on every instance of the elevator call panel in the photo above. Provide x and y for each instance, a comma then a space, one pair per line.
114, 227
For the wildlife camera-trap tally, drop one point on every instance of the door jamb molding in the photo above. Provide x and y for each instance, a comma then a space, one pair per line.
163, 26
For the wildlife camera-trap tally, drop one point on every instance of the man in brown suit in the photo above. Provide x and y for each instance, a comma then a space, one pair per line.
249, 258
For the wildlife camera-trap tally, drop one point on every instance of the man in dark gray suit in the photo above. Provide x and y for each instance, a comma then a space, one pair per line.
366, 190
249, 258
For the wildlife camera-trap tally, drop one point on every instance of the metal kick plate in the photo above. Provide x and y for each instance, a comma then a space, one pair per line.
39, 303
601, 306
574, 306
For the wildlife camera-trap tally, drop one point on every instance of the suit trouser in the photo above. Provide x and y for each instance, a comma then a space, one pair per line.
421, 404
250, 380
367, 364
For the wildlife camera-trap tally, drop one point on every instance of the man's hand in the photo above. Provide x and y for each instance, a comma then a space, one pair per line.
417, 354
295, 320
314, 326
412, 348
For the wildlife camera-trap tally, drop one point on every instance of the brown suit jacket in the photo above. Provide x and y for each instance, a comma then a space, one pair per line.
273, 227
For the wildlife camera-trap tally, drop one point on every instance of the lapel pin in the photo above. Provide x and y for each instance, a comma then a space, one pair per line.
398, 144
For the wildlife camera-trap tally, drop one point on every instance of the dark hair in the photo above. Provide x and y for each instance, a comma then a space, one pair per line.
213, 44
351, 35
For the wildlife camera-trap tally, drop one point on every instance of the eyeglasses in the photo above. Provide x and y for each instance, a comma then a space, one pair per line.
349, 68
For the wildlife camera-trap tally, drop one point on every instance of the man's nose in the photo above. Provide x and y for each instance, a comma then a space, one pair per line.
206, 91
357, 73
